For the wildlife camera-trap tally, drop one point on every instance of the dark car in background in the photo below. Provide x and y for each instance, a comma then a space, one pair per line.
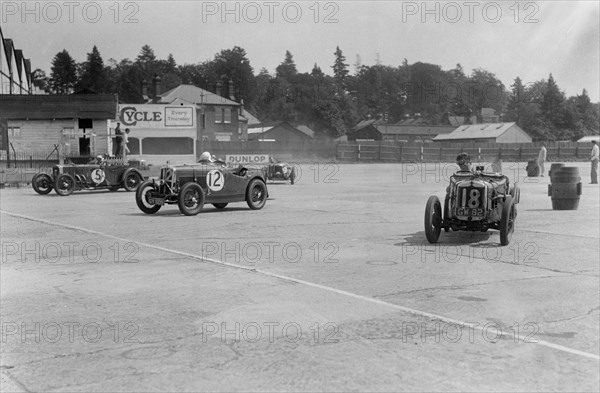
102, 173
280, 171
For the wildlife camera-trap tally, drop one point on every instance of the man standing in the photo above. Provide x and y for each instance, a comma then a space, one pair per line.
595, 156
118, 140
542, 158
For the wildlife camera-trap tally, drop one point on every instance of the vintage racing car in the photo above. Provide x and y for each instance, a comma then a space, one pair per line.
102, 173
475, 201
280, 171
191, 186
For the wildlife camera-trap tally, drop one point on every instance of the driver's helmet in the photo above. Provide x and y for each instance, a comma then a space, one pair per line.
206, 157
99, 158
464, 161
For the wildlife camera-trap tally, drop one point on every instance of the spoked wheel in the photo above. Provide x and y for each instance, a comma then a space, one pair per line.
220, 206
433, 217
256, 196
507, 223
191, 199
64, 184
142, 196
42, 183
131, 180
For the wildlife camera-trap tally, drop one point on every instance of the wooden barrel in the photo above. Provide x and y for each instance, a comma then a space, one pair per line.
554, 168
533, 169
565, 188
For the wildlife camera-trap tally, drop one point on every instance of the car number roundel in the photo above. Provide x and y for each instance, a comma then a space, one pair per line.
215, 180
98, 176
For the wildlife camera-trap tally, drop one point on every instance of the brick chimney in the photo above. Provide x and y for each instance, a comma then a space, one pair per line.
145, 90
231, 91
219, 85
156, 84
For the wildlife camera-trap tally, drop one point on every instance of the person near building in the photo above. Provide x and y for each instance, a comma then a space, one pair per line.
542, 158
594, 159
118, 140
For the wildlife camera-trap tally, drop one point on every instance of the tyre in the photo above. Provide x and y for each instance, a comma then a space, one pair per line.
191, 199
220, 205
515, 192
256, 195
64, 184
42, 183
446, 211
433, 217
143, 192
131, 179
293, 176
507, 222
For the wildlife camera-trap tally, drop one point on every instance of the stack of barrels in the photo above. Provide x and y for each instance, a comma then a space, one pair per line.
565, 187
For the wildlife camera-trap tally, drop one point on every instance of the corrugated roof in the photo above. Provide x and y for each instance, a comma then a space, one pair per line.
258, 130
34, 106
415, 129
477, 131
589, 138
194, 95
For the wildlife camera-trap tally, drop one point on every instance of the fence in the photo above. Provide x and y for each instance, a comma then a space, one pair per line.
384, 151
28, 160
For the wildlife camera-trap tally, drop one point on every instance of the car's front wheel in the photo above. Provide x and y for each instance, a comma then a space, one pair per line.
191, 199
64, 184
293, 176
433, 217
143, 194
507, 222
42, 183
256, 195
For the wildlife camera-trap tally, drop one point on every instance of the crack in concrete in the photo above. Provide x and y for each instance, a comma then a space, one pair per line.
574, 317
452, 287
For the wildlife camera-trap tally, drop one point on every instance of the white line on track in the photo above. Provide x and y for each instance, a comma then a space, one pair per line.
409, 310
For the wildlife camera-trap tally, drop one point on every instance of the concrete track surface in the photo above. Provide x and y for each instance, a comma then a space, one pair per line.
331, 287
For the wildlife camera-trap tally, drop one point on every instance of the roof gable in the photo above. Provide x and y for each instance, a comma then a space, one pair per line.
194, 95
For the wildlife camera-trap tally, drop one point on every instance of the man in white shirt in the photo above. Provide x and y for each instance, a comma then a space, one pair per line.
542, 158
595, 156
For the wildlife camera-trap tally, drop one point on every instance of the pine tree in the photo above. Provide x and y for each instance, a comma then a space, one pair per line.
340, 69
92, 75
553, 103
63, 74
287, 69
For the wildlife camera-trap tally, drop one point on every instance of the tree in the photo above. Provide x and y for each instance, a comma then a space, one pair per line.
553, 104
232, 65
340, 69
64, 73
91, 74
287, 69
40, 80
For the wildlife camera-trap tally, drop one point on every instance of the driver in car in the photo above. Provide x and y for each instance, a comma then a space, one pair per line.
464, 162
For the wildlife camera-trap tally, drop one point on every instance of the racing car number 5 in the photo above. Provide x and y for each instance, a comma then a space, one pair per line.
215, 180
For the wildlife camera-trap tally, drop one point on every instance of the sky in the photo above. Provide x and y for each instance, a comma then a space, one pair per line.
528, 39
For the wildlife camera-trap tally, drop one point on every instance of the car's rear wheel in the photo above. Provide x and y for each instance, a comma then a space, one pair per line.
64, 184
42, 183
220, 205
433, 217
191, 199
142, 195
507, 222
256, 195
131, 179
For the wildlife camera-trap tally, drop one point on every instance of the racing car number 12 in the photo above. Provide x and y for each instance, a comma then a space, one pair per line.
215, 180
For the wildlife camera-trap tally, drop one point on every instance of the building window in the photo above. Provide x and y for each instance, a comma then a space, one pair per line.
222, 115
222, 137
175, 145
14, 131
